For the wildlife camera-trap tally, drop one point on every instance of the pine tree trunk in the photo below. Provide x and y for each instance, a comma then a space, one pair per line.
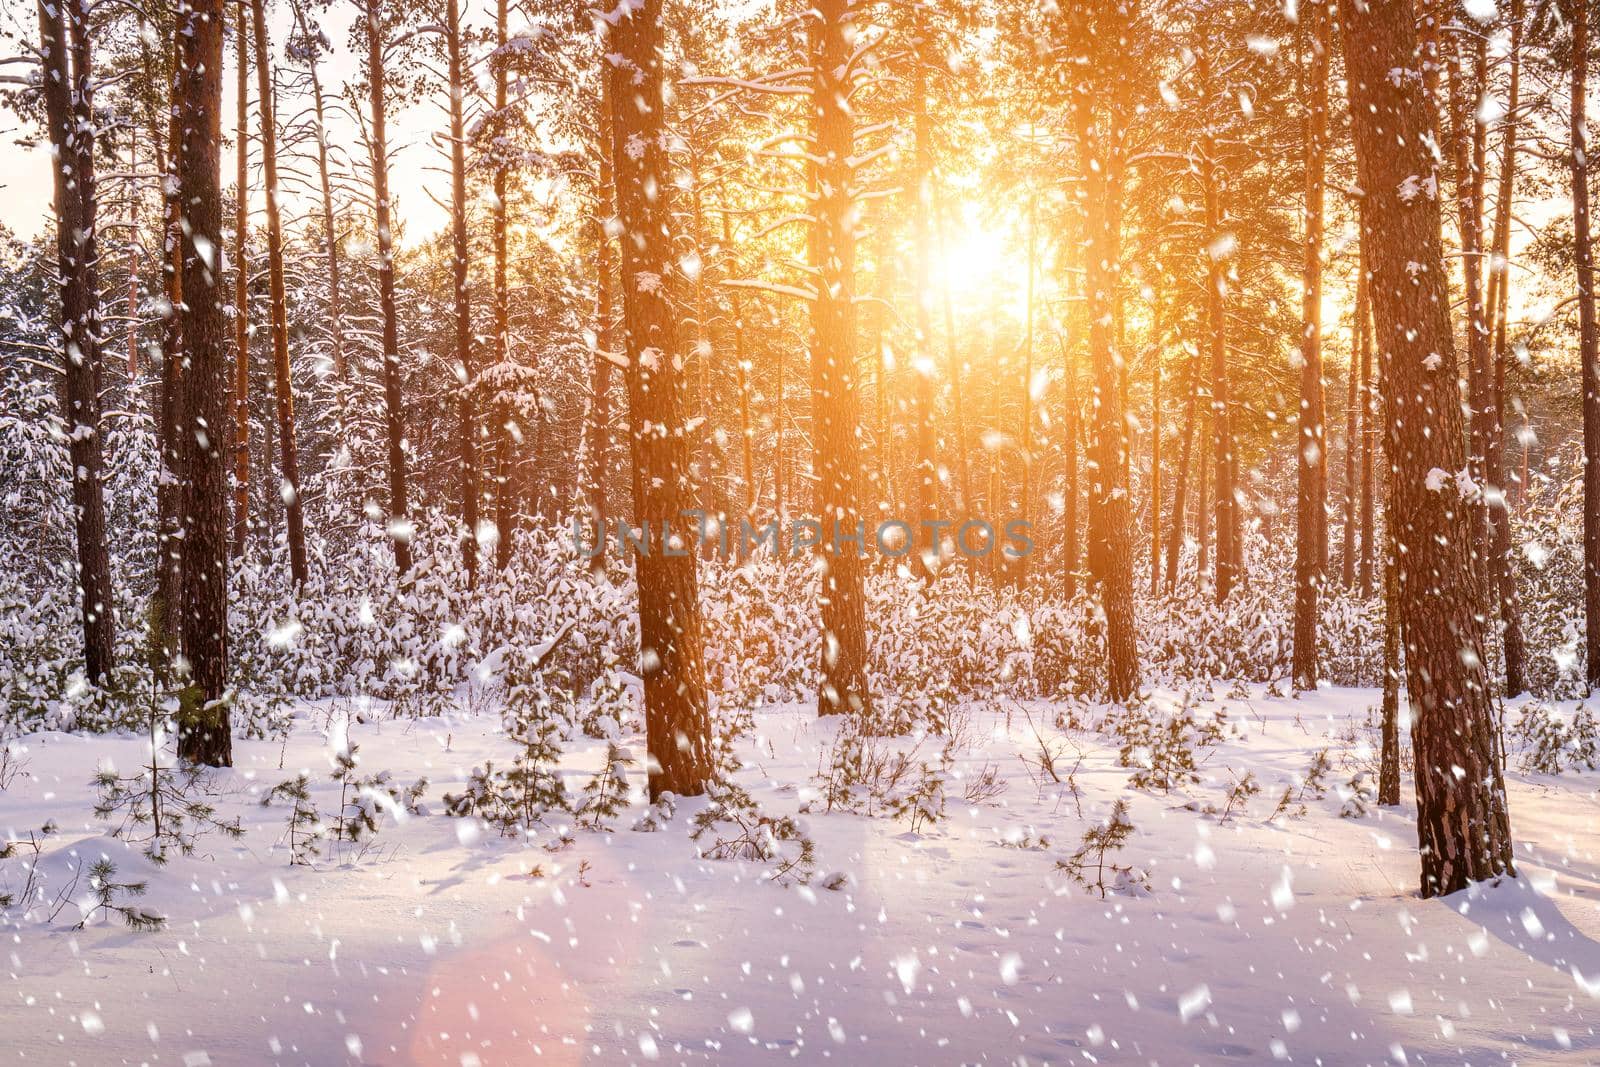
1462, 820
203, 728
598, 427
1389, 748
958, 406
283, 382
1202, 522
1227, 505
834, 389
67, 87
241, 289
330, 235
1369, 415
742, 362
1155, 462
677, 722
1069, 447
1110, 542
1588, 344
394, 411
1502, 566
167, 611
1180, 488
1019, 563
1312, 456
926, 556
467, 408
1467, 144
504, 512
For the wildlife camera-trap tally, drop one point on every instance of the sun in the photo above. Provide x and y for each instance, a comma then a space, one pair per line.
984, 262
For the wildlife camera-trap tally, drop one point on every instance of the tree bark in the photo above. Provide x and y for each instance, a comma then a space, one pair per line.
1110, 542
330, 234
677, 721
1227, 505
1588, 343
400, 530
1312, 456
1389, 747
1502, 566
598, 446
241, 290
1369, 415
834, 389
283, 383
926, 557
167, 611
1180, 488
1467, 145
203, 728
67, 84
1069, 445
466, 406
1462, 821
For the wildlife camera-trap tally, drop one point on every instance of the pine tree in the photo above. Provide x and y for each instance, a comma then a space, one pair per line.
677, 720
1463, 825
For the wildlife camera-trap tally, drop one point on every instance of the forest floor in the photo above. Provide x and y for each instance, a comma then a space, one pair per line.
1297, 936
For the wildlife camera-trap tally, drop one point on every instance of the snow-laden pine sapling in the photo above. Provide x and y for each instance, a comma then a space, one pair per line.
305, 831
921, 805
1359, 797
1089, 866
171, 805
738, 829
362, 801
1239, 795
1315, 784
113, 898
606, 794
1163, 751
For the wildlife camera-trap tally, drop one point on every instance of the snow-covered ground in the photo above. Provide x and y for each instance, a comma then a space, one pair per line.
1299, 937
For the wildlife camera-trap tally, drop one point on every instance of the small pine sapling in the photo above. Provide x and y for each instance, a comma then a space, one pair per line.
306, 830
1089, 867
171, 802
740, 830
922, 804
1239, 795
606, 794
112, 898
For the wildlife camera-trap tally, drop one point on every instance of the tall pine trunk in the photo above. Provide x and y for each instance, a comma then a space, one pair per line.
203, 729
283, 382
67, 83
1312, 455
1502, 565
597, 427
1369, 415
330, 233
1180, 488
927, 554
1588, 343
834, 386
1110, 541
467, 412
677, 721
1462, 822
1227, 504
400, 530
241, 287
